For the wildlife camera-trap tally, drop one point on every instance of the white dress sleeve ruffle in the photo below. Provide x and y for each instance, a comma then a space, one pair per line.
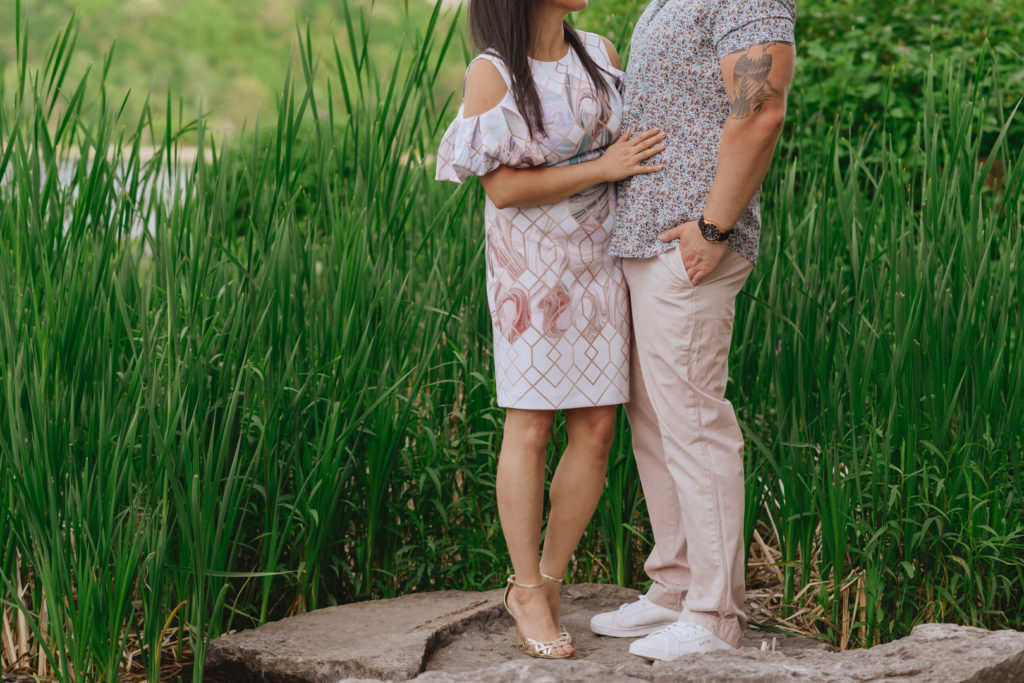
476, 145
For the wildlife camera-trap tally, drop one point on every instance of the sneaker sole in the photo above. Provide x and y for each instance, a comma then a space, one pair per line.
640, 650
628, 632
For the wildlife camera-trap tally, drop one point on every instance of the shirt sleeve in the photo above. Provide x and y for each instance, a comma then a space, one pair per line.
740, 24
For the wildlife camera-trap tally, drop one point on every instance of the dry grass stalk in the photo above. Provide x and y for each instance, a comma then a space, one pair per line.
765, 591
41, 667
23, 631
8, 652
862, 603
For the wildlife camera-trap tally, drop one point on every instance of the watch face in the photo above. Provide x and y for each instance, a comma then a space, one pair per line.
711, 232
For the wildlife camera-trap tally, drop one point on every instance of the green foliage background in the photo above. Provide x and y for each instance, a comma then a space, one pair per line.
230, 54
233, 55
279, 397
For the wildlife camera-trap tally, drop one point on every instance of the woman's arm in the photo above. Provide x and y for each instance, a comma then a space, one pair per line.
510, 187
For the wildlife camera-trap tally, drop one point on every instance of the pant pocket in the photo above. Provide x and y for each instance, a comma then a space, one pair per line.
673, 260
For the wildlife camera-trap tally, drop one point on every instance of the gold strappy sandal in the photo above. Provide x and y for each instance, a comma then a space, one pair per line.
535, 648
548, 577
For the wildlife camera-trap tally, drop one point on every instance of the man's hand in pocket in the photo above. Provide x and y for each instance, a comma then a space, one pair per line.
700, 257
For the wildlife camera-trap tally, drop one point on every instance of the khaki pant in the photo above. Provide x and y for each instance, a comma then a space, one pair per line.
687, 443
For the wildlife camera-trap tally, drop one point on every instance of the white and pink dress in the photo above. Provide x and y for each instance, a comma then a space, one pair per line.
558, 300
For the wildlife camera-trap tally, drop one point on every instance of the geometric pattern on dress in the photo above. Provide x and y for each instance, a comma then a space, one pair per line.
558, 300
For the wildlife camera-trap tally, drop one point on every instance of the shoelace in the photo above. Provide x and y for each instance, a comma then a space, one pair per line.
628, 606
680, 628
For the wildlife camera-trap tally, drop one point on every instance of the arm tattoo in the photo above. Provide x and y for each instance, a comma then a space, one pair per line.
750, 79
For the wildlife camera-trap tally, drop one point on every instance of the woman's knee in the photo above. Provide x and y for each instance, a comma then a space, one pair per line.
528, 429
593, 431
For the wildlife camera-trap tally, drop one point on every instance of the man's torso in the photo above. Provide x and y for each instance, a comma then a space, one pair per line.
674, 82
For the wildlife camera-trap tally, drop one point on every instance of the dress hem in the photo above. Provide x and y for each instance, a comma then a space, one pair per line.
572, 405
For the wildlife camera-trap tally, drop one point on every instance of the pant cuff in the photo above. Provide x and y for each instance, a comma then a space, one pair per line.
727, 628
669, 598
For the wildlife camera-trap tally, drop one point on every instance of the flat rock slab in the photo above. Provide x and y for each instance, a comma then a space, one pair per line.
378, 639
933, 653
495, 643
456, 636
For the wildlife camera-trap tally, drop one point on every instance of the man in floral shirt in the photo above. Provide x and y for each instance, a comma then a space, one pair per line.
714, 76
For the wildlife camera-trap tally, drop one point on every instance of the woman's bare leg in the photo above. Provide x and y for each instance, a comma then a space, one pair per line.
520, 490
575, 490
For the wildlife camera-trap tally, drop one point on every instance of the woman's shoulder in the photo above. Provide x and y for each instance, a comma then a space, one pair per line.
490, 61
486, 85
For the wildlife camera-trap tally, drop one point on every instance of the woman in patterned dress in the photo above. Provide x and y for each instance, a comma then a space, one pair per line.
539, 122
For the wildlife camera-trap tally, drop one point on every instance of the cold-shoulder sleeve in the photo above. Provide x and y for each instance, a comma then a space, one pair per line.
476, 145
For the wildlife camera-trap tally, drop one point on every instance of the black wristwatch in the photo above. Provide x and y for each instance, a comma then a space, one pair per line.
711, 232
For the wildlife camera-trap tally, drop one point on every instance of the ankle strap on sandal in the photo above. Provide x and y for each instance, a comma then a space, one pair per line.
512, 580
551, 578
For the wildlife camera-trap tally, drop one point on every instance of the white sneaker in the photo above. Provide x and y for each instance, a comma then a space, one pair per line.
633, 619
676, 640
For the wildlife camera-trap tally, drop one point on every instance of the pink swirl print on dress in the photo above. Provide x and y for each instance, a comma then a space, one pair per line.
554, 304
592, 207
499, 247
513, 308
593, 315
519, 153
590, 107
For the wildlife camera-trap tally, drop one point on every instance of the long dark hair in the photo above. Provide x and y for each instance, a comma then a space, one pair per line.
504, 27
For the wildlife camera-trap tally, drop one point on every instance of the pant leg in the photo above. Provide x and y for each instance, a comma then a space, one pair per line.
666, 565
683, 334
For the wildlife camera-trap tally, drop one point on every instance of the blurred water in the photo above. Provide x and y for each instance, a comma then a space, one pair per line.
161, 187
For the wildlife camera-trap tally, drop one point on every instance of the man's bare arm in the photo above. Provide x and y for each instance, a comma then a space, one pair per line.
752, 84
757, 82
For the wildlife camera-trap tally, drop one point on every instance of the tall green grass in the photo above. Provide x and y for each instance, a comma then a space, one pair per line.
280, 397
879, 363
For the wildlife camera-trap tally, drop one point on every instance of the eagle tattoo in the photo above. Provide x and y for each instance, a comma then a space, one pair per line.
750, 78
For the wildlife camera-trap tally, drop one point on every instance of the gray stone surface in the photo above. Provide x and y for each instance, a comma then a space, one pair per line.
381, 639
454, 636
